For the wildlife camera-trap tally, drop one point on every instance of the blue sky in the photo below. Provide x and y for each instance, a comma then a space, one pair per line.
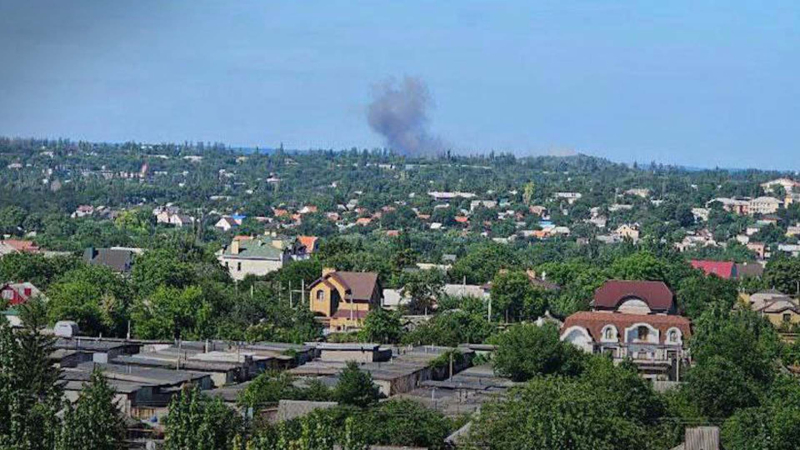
698, 83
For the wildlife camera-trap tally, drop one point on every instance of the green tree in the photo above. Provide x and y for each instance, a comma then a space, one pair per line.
157, 268
423, 287
483, 262
513, 296
172, 313
406, 423
718, 387
355, 387
450, 328
783, 274
560, 414
382, 326
93, 296
30, 392
95, 422
698, 293
516, 358
267, 389
197, 422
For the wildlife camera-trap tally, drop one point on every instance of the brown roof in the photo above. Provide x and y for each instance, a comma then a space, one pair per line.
359, 285
347, 313
612, 293
594, 321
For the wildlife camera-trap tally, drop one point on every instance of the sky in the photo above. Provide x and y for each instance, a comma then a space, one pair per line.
698, 83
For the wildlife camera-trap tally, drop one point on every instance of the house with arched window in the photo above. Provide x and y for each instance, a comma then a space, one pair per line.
634, 320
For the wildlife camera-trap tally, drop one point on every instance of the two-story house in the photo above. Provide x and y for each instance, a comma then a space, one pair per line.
636, 320
343, 299
254, 256
18, 293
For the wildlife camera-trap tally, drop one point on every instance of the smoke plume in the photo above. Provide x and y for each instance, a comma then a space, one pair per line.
399, 113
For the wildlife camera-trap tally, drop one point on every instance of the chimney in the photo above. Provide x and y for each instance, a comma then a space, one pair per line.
327, 271
235, 247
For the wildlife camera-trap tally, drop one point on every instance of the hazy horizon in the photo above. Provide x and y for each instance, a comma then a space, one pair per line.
694, 84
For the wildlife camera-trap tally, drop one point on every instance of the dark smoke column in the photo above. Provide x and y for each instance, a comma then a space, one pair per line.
398, 112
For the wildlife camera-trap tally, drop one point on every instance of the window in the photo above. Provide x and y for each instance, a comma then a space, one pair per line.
238, 267
672, 336
27, 292
642, 333
320, 295
8, 294
609, 333
787, 317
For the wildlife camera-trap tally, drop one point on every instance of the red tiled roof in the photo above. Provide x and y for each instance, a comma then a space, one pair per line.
655, 293
722, 269
309, 242
594, 321
462, 219
20, 245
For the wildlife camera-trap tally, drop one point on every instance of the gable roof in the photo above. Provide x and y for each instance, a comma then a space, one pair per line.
612, 293
116, 259
748, 270
309, 242
722, 269
359, 285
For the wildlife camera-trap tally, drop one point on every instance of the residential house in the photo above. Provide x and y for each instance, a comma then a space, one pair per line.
258, 256
792, 249
226, 223
636, 320
788, 185
780, 309
736, 206
83, 211
570, 197
628, 231
17, 246
450, 195
343, 299
119, 260
305, 246
490, 204
538, 210
640, 192
764, 205
700, 214
163, 213
181, 220
723, 269
700, 438
17, 293
598, 221
793, 230
759, 248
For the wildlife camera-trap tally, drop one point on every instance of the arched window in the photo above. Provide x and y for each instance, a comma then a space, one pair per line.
674, 336
320, 295
609, 333
642, 333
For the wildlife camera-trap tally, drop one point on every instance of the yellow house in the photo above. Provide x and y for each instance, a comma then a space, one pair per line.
780, 309
343, 299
